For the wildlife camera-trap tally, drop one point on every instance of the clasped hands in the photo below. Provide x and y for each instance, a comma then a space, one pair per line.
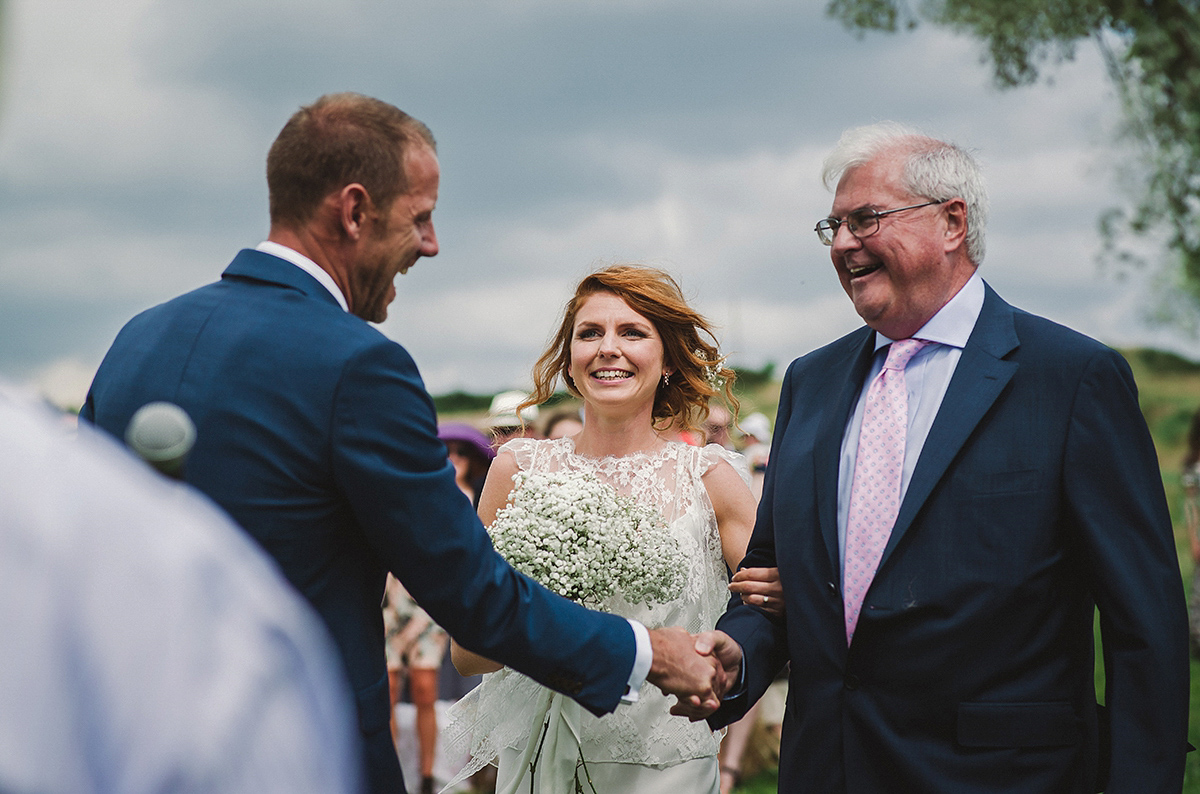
698, 669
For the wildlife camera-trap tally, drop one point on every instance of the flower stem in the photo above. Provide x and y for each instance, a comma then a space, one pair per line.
533, 763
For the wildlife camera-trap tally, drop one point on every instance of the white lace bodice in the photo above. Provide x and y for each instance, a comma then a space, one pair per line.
669, 480
502, 710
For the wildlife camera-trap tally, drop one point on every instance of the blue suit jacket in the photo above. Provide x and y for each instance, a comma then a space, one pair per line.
316, 434
1037, 496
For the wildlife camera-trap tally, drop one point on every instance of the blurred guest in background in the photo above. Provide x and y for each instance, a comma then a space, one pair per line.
738, 734
716, 427
415, 649
756, 446
470, 453
563, 423
504, 421
416, 644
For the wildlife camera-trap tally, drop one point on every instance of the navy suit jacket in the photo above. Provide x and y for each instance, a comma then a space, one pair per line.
1036, 497
315, 433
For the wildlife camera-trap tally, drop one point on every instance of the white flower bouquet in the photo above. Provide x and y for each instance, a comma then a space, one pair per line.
583, 540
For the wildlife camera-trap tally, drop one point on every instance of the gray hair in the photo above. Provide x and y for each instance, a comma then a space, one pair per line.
934, 169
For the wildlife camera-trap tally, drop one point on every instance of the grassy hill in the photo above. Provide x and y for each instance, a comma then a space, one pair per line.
1169, 393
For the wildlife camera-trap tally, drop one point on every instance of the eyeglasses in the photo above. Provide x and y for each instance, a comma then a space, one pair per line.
861, 223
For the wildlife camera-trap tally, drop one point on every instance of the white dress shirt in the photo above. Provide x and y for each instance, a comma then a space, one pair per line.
308, 266
926, 377
148, 644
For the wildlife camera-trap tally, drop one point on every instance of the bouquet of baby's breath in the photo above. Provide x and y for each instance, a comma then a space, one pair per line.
581, 539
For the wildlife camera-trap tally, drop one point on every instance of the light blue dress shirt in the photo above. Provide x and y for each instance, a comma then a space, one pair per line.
926, 377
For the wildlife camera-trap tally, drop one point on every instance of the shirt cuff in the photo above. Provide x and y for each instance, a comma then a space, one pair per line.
641, 662
739, 687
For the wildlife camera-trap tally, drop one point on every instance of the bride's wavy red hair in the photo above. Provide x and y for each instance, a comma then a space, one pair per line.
689, 345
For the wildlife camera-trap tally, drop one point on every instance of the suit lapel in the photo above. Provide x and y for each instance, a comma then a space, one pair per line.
980, 377
827, 450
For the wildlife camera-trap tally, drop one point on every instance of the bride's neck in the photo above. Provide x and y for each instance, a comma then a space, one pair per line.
608, 436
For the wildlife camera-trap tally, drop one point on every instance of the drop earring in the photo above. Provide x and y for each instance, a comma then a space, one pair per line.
666, 379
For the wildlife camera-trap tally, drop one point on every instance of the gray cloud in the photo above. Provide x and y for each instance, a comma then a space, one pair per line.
684, 134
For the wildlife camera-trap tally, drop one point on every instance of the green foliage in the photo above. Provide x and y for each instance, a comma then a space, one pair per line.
1152, 53
1191, 769
766, 782
459, 402
751, 379
859, 15
1161, 362
1022, 35
1169, 393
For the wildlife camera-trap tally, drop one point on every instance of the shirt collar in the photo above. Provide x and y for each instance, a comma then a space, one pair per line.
307, 265
953, 323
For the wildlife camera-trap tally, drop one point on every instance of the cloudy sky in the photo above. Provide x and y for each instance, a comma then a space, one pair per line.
684, 133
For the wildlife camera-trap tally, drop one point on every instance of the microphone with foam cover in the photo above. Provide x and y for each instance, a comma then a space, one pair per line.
162, 434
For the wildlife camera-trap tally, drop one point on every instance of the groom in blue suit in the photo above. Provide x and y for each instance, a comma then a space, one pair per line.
1029, 494
315, 433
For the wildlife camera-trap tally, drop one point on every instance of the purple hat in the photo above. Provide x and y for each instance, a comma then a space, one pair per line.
460, 431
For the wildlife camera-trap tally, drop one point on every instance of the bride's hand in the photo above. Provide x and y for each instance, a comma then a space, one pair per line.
759, 587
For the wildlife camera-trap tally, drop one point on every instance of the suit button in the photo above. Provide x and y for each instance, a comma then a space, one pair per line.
851, 681
832, 587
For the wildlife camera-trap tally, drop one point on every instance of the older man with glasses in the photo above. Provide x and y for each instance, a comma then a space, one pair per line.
953, 491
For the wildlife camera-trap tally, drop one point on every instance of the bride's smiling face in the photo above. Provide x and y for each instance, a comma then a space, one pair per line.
616, 354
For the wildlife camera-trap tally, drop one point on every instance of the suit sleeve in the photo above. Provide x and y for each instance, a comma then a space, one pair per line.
394, 470
763, 638
1114, 495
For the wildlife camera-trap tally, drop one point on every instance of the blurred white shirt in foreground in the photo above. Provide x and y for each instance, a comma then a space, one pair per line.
146, 644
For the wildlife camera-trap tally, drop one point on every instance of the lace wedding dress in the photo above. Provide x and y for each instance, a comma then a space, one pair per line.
640, 747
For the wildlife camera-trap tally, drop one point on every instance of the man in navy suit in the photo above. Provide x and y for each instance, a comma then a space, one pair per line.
1029, 494
315, 432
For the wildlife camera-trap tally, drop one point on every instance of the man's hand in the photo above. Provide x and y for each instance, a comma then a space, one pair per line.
718, 646
679, 669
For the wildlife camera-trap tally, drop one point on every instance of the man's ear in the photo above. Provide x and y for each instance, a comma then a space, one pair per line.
354, 207
956, 224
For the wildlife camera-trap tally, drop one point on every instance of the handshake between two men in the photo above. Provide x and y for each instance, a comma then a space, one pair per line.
698, 669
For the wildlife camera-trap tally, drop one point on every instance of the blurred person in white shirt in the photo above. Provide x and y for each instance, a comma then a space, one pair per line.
149, 645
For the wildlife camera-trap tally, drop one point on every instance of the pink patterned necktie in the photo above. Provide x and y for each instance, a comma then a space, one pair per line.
875, 489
